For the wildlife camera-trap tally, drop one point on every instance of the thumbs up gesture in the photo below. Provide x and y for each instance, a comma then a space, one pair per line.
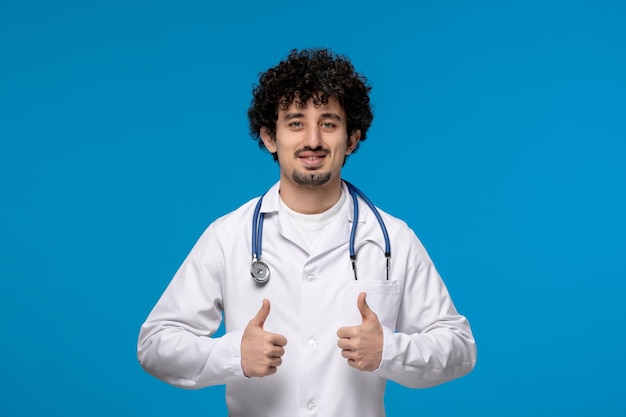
261, 351
362, 345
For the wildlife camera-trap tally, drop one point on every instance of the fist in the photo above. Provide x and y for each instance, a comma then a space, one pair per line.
261, 351
362, 345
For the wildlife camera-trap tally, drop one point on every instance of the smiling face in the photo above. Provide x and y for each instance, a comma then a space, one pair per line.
311, 143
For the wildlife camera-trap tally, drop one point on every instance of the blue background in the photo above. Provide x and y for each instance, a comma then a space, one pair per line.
498, 136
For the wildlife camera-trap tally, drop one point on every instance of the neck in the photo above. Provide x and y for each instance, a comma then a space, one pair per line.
310, 199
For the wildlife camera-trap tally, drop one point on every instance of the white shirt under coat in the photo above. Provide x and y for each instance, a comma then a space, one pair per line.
312, 294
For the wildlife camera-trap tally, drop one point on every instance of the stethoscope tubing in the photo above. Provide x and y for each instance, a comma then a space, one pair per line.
259, 269
354, 192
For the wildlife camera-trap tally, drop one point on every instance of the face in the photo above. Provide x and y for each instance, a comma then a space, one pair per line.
311, 143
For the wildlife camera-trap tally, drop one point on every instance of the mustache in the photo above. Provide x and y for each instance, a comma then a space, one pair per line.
309, 149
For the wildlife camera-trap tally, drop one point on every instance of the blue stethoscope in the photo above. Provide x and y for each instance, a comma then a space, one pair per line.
261, 272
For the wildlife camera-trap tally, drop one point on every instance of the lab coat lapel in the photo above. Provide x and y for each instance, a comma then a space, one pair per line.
334, 235
338, 232
286, 228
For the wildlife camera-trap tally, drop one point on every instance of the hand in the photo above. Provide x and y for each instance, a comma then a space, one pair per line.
261, 351
362, 345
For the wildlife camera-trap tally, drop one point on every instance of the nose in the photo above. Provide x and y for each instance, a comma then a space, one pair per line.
313, 137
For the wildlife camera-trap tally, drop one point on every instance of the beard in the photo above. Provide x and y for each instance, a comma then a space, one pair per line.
312, 178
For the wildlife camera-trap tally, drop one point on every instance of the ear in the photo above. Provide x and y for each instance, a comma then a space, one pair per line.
353, 140
268, 140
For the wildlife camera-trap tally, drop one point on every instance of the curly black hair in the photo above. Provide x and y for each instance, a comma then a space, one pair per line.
316, 74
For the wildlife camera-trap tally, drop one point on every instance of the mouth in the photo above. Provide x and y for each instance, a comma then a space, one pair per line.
312, 159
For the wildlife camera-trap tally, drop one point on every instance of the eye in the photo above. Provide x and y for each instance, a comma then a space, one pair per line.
328, 125
295, 124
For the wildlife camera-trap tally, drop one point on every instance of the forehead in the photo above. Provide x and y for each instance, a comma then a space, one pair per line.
310, 107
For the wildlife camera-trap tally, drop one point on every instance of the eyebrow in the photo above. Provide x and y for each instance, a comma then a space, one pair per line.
334, 116
291, 116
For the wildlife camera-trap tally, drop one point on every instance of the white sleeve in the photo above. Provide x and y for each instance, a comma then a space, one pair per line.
432, 344
176, 342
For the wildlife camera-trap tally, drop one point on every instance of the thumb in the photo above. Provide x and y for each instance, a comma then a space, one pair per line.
261, 316
364, 309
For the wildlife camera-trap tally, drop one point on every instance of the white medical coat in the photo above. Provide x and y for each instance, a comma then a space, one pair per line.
312, 294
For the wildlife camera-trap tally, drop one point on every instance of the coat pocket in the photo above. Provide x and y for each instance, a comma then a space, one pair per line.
383, 298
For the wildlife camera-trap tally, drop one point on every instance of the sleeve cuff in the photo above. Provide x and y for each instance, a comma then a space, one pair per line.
235, 354
388, 349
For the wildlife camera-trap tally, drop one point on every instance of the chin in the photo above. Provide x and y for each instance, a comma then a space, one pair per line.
312, 178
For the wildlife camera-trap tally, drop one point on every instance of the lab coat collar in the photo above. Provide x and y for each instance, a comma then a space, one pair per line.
338, 233
271, 203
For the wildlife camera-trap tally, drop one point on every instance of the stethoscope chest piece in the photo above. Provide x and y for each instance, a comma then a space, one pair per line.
260, 272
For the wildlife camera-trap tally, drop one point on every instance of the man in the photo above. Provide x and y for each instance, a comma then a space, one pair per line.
330, 316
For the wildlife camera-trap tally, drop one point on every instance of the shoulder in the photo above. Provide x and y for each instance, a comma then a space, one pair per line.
237, 223
395, 225
235, 220
242, 216
236, 216
227, 231
402, 234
